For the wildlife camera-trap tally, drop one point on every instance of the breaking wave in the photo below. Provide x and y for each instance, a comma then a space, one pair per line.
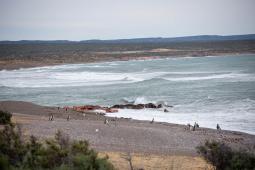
207, 90
58, 76
226, 77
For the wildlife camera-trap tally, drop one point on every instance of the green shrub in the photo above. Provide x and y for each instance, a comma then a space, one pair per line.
11, 145
58, 154
222, 157
4, 164
5, 117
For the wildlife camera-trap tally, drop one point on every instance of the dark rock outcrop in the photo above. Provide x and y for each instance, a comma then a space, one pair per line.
136, 106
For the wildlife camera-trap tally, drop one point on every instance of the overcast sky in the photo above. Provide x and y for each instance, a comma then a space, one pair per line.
114, 19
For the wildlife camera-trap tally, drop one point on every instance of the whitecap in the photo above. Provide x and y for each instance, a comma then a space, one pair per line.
226, 77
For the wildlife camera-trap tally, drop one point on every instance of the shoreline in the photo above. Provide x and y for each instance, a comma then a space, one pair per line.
24, 64
122, 134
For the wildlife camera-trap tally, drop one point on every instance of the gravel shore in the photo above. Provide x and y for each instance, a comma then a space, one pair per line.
121, 135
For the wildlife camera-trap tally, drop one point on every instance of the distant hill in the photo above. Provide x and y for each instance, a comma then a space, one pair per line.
178, 39
199, 38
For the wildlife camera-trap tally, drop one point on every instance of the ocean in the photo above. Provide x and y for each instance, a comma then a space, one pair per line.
206, 90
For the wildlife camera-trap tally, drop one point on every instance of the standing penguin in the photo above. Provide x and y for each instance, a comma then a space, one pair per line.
152, 121
218, 127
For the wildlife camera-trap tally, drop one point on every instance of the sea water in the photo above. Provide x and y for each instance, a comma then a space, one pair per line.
207, 90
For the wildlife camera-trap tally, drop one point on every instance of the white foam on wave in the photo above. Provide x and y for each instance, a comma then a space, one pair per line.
58, 76
114, 64
104, 77
91, 76
141, 100
232, 116
113, 73
226, 77
209, 108
65, 79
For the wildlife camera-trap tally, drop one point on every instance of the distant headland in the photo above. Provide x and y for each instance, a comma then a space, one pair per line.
33, 53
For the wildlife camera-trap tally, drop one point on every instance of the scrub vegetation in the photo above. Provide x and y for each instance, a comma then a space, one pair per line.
59, 153
223, 157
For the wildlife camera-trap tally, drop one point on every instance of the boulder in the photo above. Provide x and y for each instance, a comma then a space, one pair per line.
150, 105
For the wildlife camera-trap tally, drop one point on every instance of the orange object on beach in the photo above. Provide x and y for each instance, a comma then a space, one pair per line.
86, 108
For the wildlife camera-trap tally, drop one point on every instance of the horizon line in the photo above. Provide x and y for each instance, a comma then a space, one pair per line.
197, 35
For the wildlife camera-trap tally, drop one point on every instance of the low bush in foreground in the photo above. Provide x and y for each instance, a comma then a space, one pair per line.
58, 154
222, 157
5, 117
